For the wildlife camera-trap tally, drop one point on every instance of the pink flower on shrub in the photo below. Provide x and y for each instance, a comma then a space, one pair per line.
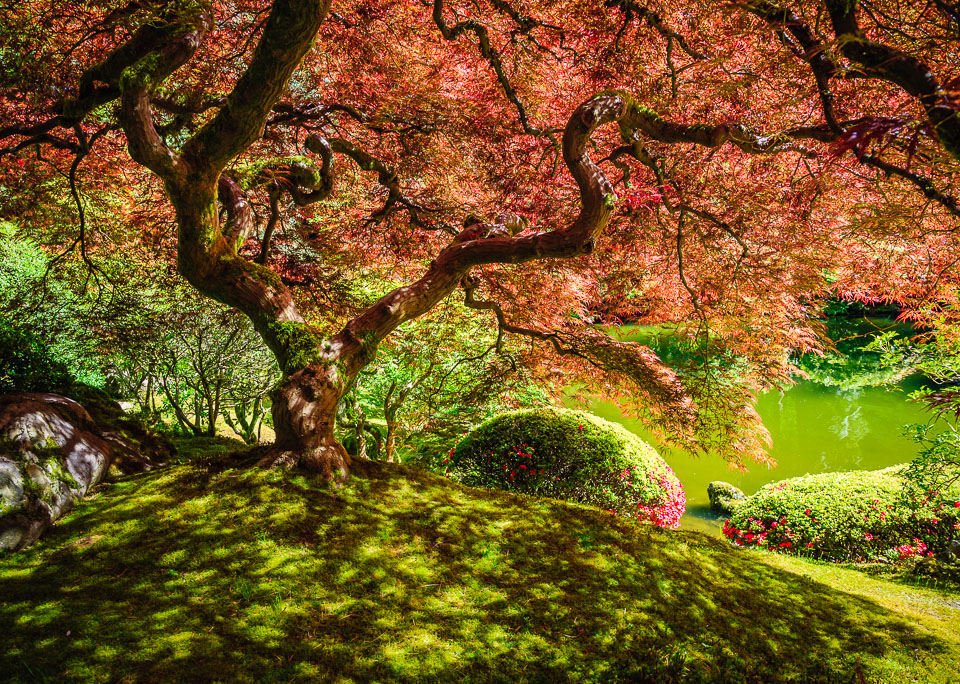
918, 548
668, 513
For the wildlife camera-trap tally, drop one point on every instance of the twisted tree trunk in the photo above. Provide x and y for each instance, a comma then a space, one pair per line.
304, 417
317, 371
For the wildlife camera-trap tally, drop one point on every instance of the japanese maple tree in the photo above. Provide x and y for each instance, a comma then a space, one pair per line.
721, 166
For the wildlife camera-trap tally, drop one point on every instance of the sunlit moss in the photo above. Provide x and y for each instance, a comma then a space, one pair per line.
403, 576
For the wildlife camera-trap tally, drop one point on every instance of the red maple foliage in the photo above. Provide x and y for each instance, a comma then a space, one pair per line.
720, 167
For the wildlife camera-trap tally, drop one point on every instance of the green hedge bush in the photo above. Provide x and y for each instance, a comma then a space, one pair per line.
26, 364
860, 515
573, 456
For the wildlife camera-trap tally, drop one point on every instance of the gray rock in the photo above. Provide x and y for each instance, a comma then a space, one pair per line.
51, 453
951, 554
724, 497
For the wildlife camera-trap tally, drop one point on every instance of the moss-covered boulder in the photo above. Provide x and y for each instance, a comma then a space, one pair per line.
51, 452
724, 497
859, 515
135, 447
573, 456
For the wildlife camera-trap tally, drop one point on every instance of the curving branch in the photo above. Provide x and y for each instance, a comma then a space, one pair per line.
302, 180
811, 49
240, 221
206, 257
172, 33
873, 60
471, 283
639, 119
288, 34
525, 23
660, 385
289, 113
454, 262
138, 81
388, 178
922, 183
632, 10
314, 116
899, 68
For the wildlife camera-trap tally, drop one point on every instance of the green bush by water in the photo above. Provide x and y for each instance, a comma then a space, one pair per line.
573, 456
860, 515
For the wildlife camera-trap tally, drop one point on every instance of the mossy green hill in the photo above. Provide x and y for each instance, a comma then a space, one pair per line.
200, 574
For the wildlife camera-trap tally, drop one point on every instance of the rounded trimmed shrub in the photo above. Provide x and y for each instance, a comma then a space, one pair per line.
573, 456
860, 515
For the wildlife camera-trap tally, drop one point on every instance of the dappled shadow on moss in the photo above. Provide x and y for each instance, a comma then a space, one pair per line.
401, 575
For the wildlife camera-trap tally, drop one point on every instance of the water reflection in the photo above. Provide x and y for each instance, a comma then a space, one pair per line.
814, 429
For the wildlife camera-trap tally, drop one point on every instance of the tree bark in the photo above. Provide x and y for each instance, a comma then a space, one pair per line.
317, 372
304, 417
392, 440
359, 427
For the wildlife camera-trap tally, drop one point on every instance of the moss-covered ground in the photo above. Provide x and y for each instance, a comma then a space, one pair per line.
198, 573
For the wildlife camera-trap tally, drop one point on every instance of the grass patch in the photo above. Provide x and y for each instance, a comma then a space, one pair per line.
915, 597
402, 575
203, 450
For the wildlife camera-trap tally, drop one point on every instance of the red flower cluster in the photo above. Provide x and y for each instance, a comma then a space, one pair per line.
918, 548
760, 534
668, 513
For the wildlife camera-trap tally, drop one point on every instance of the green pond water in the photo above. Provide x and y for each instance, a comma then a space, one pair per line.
814, 428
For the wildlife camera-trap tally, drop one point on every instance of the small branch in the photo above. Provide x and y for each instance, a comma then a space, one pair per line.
924, 184
84, 147
631, 9
490, 54
271, 226
470, 285
389, 179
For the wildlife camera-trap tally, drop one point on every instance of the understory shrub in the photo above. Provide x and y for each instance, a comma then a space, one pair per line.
573, 456
860, 515
26, 363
